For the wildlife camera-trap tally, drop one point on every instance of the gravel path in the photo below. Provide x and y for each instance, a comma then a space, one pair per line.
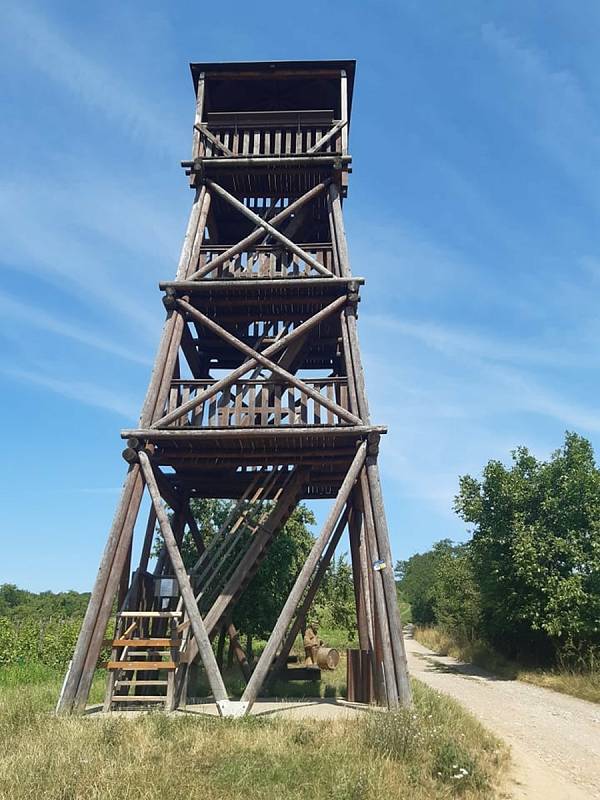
554, 738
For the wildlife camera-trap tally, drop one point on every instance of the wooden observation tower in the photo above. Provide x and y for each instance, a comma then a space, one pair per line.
257, 395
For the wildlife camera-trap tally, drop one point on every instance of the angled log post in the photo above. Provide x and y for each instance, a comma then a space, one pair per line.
264, 663
238, 651
355, 531
148, 540
194, 255
268, 363
87, 650
78, 681
383, 640
311, 593
233, 376
201, 637
387, 576
256, 236
190, 234
269, 228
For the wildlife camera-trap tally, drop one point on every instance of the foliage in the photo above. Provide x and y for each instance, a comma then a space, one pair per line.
37, 641
19, 603
457, 600
536, 551
259, 606
334, 605
417, 577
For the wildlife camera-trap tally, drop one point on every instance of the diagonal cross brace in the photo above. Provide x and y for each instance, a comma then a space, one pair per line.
256, 236
202, 397
266, 362
269, 228
324, 139
213, 139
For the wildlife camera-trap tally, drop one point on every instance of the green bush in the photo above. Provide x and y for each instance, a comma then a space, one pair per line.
50, 642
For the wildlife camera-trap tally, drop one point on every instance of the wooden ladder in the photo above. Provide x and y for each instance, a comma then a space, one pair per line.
135, 651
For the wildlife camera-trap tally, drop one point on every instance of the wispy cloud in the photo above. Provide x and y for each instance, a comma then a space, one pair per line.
456, 342
35, 36
36, 241
31, 317
81, 391
554, 110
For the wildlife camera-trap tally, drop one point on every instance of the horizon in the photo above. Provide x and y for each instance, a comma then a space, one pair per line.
477, 237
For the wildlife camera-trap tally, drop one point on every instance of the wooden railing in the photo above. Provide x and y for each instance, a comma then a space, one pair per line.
266, 261
257, 403
267, 134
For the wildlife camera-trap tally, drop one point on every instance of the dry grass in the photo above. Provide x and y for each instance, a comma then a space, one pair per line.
435, 751
586, 686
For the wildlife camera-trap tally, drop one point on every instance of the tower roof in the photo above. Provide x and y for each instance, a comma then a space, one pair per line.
265, 85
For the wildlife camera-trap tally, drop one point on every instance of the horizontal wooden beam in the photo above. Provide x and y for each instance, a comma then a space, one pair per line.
260, 284
317, 159
129, 666
156, 434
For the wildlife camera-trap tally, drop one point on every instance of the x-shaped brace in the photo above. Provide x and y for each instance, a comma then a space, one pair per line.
255, 358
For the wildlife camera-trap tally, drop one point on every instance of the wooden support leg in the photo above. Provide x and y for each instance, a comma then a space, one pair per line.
276, 638
189, 601
384, 658
388, 582
79, 679
355, 530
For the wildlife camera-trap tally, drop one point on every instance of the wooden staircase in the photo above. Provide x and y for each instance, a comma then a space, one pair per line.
153, 646
143, 664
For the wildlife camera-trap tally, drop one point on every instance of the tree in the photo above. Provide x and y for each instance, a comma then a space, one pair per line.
416, 580
257, 609
536, 550
335, 605
456, 596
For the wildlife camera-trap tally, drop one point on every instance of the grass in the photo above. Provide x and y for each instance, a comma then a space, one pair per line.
434, 751
586, 686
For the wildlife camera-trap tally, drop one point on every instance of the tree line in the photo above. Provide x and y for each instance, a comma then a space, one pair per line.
43, 627
528, 580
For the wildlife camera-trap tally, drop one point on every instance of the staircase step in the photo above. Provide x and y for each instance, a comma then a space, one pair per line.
152, 614
135, 665
139, 698
141, 683
146, 642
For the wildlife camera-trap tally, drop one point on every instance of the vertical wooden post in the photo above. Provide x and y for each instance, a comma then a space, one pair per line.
198, 117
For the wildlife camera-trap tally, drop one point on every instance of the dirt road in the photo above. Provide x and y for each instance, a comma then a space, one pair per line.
555, 739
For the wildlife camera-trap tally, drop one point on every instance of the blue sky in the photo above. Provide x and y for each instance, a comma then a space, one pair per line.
473, 214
